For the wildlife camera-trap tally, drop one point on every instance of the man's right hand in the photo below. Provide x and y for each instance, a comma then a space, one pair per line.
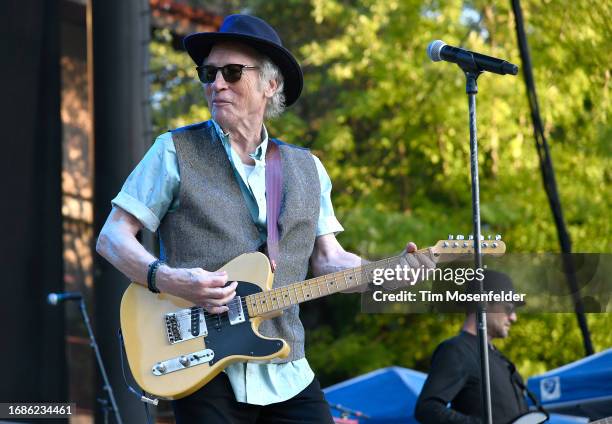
203, 288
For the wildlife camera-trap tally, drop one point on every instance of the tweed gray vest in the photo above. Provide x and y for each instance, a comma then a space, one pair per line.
212, 224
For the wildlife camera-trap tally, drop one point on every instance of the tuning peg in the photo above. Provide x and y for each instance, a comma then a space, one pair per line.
450, 236
460, 237
498, 237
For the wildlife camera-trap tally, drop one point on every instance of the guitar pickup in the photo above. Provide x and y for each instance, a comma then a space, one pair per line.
235, 312
182, 362
185, 324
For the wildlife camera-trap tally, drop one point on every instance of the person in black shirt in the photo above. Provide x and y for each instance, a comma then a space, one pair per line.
454, 377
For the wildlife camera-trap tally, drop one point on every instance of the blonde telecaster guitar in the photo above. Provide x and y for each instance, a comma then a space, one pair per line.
174, 347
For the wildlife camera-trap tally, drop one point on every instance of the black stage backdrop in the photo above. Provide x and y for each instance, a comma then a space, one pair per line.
32, 352
121, 136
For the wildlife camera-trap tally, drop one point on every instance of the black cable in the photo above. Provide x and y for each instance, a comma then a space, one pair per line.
141, 397
548, 176
148, 413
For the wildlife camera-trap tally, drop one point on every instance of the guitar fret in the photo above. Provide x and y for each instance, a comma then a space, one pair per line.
269, 301
309, 295
294, 295
350, 279
274, 299
280, 299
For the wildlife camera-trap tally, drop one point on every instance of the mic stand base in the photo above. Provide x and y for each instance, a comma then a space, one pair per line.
107, 387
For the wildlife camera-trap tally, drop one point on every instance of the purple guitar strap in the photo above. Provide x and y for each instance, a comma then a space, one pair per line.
274, 184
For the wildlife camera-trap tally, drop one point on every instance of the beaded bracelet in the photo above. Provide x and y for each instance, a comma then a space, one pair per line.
153, 266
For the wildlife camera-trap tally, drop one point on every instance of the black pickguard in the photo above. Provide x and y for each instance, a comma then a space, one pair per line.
239, 339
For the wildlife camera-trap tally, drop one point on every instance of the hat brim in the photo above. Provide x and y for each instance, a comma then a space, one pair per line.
200, 44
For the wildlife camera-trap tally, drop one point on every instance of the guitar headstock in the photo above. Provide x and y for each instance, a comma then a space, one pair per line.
458, 246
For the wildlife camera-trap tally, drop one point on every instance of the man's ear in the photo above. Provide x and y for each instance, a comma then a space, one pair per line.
270, 88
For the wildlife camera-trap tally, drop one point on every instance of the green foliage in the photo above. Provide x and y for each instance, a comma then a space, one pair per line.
391, 128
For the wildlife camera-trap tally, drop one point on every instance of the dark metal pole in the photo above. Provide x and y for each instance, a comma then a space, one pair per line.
119, 40
548, 177
471, 89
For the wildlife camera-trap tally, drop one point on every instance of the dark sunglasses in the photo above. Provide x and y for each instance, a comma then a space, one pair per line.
231, 72
508, 308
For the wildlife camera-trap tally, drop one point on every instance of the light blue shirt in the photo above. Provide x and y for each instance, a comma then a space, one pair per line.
152, 190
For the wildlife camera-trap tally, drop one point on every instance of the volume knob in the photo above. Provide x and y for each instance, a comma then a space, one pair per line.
184, 361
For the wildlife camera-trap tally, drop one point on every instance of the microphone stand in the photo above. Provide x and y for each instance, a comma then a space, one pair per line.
472, 72
107, 387
471, 88
467, 62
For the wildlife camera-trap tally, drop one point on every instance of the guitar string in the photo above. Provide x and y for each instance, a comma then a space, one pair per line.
365, 268
234, 308
266, 295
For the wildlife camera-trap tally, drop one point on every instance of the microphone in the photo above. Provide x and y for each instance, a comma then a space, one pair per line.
57, 298
438, 50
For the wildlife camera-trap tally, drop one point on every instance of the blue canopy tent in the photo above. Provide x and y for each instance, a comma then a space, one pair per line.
582, 388
387, 395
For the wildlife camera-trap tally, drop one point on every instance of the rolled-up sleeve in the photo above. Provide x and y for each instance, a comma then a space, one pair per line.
152, 188
327, 223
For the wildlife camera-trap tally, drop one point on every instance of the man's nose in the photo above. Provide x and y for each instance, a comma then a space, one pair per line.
219, 83
512, 317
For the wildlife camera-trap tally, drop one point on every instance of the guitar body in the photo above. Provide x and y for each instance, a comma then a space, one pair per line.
171, 368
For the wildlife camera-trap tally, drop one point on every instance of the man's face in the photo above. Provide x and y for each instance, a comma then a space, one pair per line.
240, 101
500, 317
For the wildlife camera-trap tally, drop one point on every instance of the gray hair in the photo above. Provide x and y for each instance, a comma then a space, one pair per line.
268, 72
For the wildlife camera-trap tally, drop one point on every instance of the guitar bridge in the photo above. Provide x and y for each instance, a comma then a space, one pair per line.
185, 324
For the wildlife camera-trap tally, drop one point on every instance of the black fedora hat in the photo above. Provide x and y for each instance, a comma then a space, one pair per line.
257, 34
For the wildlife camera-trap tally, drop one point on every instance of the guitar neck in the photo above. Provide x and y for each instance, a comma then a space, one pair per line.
314, 288
283, 297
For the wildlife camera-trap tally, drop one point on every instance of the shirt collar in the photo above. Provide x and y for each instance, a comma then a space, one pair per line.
260, 152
